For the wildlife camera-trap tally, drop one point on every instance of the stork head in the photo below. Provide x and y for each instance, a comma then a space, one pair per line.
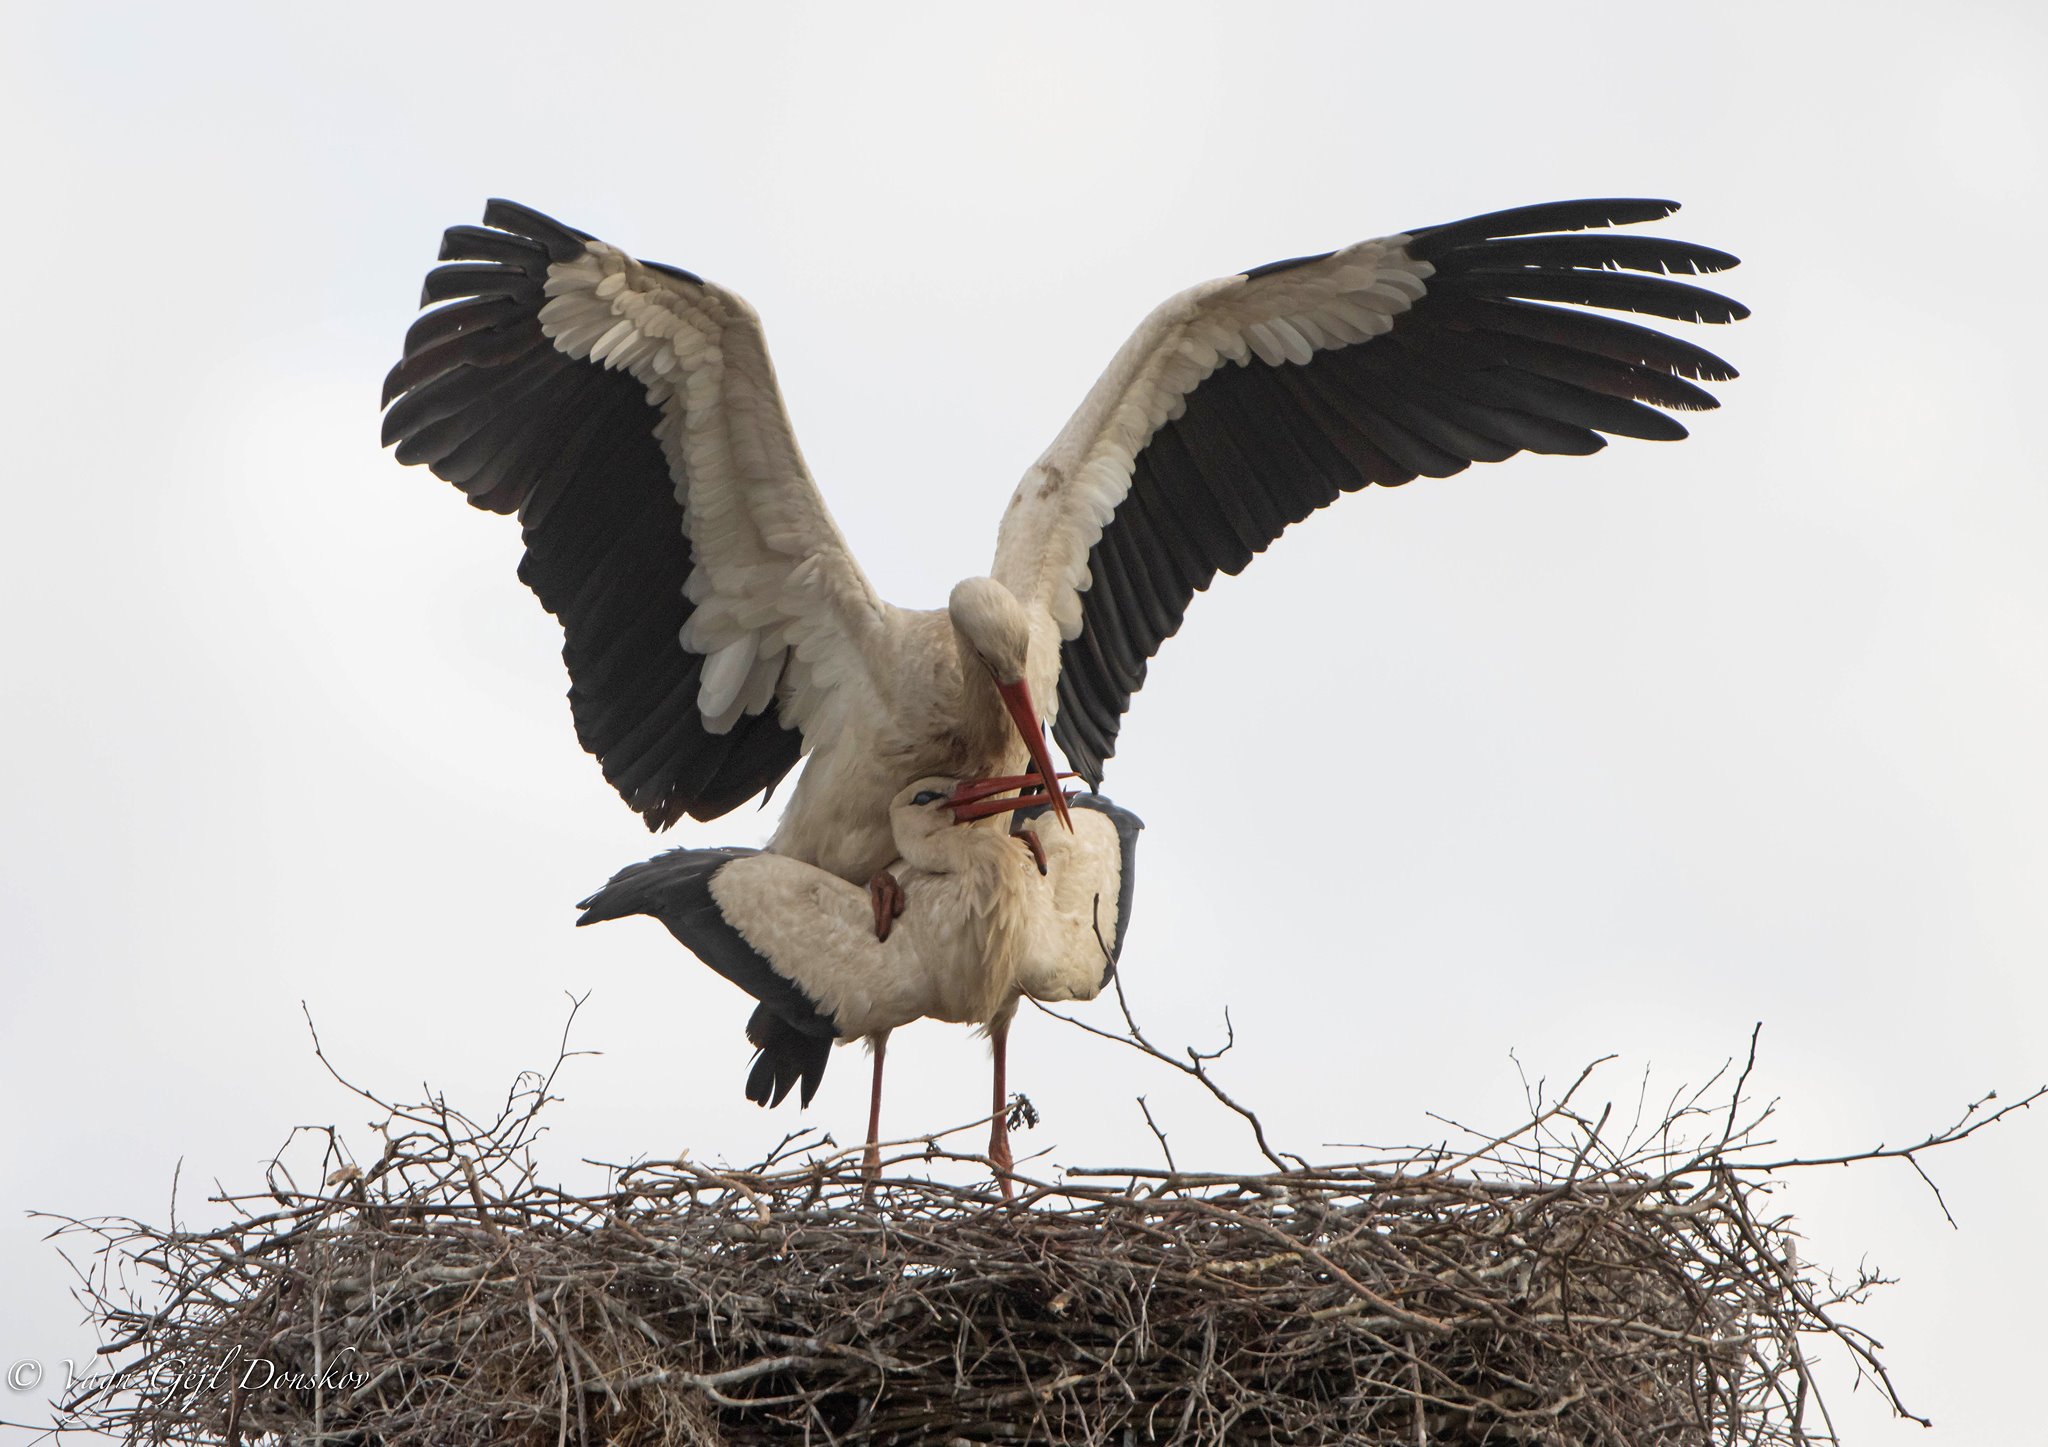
994, 629
926, 817
993, 625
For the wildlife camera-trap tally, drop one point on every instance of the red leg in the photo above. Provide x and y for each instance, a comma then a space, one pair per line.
999, 1126
886, 895
871, 1158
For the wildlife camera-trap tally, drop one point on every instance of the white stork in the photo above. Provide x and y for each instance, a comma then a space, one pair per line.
717, 627
984, 926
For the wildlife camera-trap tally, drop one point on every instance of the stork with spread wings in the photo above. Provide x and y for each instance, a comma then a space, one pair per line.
717, 627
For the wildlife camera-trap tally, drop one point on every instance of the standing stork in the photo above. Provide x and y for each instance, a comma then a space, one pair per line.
717, 627
984, 927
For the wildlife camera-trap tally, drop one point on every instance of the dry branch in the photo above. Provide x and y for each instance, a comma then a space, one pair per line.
1552, 1285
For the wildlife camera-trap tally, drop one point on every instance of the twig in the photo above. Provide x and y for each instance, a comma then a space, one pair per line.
1554, 1284
1195, 1065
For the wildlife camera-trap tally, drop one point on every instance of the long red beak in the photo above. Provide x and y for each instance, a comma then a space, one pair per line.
1017, 699
981, 806
976, 798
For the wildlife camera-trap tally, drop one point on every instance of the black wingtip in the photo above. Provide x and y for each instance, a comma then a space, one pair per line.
457, 279
1581, 215
477, 243
668, 884
564, 243
606, 904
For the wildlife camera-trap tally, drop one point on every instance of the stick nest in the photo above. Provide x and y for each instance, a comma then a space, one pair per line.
1540, 1287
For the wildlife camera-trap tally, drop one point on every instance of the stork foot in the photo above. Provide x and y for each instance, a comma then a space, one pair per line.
886, 895
1029, 839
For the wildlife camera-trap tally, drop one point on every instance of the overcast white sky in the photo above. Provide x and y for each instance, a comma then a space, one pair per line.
1563, 756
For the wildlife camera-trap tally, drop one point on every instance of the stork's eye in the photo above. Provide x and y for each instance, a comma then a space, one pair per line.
928, 796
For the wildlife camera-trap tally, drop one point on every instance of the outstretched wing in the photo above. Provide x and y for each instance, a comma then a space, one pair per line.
628, 413
1243, 405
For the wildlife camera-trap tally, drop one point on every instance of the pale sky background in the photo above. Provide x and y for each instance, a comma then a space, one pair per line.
1562, 756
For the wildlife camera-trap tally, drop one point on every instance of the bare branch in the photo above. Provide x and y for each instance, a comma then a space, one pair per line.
1560, 1281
